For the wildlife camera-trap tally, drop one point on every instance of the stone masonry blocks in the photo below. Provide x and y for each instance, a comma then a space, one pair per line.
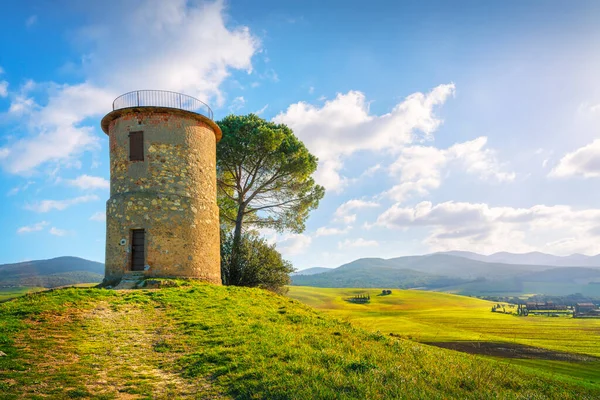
171, 194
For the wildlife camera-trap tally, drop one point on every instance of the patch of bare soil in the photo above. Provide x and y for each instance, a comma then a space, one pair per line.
125, 355
511, 350
124, 351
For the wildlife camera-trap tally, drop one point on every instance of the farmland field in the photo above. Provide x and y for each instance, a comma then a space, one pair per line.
440, 317
495, 288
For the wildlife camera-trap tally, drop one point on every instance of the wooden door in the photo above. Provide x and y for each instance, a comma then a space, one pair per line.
138, 254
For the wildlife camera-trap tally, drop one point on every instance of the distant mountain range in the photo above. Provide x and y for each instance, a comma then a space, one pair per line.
453, 271
533, 258
55, 272
466, 273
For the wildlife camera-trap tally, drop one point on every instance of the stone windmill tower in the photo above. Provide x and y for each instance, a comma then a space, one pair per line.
162, 218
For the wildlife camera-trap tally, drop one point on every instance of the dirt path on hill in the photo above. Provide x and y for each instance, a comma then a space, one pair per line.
124, 351
511, 350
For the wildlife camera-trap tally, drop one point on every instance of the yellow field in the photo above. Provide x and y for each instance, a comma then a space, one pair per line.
430, 316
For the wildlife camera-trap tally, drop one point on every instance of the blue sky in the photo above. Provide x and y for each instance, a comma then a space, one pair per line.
439, 125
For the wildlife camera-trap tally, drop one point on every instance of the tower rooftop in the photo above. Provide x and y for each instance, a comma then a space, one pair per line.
160, 100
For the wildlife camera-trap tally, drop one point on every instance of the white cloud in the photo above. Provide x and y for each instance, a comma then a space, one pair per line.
179, 45
262, 110
3, 88
237, 104
269, 234
311, 90
344, 125
185, 46
57, 232
587, 108
99, 216
89, 182
583, 162
328, 175
293, 244
33, 228
324, 231
371, 171
481, 228
21, 104
360, 242
49, 205
478, 161
32, 20
270, 74
344, 213
419, 167
55, 132
20, 188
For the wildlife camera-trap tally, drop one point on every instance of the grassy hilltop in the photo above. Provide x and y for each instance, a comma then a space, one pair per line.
226, 342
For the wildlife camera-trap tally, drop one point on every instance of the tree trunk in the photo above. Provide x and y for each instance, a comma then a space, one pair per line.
236, 269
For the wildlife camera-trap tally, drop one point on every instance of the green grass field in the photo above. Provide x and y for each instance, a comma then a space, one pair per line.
439, 317
7, 293
12, 292
203, 341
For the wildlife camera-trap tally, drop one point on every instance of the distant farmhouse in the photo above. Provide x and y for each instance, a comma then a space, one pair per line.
547, 306
586, 310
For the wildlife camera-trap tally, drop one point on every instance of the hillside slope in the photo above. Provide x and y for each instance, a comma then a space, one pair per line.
457, 273
459, 267
430, 271
50, 273
433, 316
374, 276
225, 342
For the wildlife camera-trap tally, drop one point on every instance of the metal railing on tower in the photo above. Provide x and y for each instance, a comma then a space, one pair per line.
162, 98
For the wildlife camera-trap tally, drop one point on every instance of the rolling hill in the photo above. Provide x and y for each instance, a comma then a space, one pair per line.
466, 324
213, 342
533, 258
459, 274
565, 274
375, 277
51, 273
452, 266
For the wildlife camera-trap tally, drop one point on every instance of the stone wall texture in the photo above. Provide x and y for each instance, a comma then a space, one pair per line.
172, 194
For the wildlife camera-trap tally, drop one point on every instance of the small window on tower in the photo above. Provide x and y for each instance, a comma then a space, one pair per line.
136, 146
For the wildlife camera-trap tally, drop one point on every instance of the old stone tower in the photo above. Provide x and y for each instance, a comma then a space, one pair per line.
162, 218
